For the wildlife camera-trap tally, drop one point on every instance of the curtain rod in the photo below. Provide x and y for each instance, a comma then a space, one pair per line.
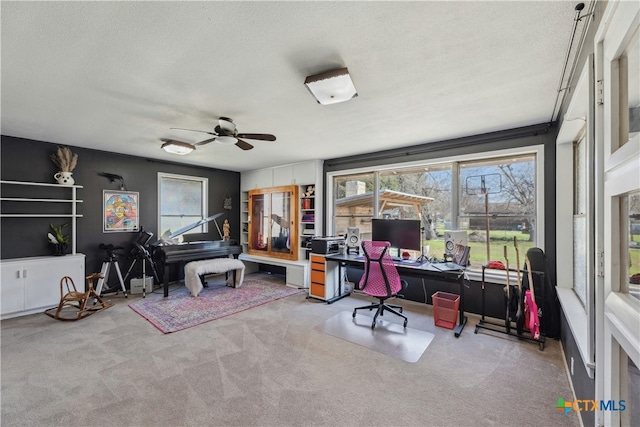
430, 147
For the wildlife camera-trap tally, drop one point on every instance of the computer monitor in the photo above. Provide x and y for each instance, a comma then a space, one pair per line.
401, 233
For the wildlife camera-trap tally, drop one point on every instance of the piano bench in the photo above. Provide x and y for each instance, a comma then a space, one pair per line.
195, 269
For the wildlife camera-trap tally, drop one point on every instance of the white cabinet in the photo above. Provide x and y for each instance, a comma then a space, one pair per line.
11, 289
307, 173
297, 173
255, 179
282, 175
31, 285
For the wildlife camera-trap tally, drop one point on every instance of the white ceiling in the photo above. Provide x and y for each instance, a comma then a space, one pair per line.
116, 76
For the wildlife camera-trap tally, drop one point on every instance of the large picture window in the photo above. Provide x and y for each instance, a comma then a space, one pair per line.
497, 203
448, 196
182, 200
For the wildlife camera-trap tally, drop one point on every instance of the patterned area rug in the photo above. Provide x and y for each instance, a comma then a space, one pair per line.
181, 311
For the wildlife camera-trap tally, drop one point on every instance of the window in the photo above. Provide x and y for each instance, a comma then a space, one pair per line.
422, 193
353, 203
630, 393
629, 78
617, 64
182, 200
449, 196
580, 237
501, 193
576, 183
631, 204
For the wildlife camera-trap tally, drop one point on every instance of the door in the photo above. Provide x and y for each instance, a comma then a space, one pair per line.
42, 279
273, 226
618, 136
11, 287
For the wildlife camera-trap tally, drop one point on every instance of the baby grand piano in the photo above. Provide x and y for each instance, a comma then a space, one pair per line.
165, 252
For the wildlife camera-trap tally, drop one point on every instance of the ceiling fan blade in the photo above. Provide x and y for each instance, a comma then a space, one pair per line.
259, 136
244, 145
206, 141
195, 130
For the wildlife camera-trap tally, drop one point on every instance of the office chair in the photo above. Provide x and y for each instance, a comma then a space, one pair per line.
380, 280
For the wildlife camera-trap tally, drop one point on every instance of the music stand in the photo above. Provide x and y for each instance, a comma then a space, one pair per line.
422, 257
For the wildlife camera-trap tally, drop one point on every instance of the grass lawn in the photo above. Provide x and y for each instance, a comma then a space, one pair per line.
501, 238
478, 252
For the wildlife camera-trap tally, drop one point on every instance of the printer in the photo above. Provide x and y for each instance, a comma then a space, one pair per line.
327, 245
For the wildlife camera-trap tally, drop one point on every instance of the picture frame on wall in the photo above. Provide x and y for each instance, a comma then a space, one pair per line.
120, 211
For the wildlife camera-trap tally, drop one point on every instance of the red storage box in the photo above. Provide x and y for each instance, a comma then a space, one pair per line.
445, 309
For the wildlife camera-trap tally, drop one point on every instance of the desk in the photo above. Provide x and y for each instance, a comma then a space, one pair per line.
446, 271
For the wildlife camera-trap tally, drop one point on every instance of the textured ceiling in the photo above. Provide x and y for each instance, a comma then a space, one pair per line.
116, 76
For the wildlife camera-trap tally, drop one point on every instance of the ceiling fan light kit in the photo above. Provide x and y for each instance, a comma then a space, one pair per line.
226, 140
331, 87
178, 147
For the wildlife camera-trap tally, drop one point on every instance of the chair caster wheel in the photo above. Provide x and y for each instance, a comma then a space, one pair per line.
373, 325
400, 309
353, 315
405, 323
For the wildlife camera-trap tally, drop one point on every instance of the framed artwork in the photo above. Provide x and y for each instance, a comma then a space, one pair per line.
120, 210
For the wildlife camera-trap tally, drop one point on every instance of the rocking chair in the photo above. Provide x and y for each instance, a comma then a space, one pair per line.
79, 302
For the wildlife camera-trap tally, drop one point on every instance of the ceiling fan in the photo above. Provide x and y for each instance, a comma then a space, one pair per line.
225, 132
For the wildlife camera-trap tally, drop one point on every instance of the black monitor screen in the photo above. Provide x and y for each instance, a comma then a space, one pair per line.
401, 233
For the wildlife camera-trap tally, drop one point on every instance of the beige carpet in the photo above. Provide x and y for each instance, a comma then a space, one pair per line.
269, 366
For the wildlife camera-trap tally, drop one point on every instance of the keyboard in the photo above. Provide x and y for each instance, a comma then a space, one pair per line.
446, 266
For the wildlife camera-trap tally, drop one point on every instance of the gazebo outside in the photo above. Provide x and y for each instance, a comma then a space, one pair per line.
357, 210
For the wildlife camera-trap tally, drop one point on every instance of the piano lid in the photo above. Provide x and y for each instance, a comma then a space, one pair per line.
167, 238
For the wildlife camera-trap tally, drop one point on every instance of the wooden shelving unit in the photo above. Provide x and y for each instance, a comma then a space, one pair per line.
244, 221
307, 226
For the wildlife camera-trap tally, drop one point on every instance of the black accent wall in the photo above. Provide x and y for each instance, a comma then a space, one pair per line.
28, 160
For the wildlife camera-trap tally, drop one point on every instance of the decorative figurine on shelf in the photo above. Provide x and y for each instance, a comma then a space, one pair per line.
66, 162
225, 229
310, 190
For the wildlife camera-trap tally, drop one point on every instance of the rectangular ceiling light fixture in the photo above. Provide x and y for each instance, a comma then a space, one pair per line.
331, 87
